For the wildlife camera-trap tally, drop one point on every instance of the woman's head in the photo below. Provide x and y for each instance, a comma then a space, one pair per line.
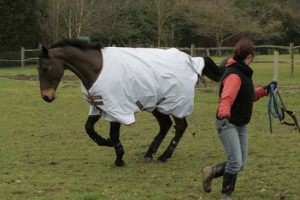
244, 50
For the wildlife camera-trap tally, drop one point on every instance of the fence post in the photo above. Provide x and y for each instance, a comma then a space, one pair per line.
276, 64
192, 50
292, 58
22, 56
207, 52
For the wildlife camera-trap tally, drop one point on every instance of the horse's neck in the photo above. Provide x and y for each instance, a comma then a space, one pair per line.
86, 65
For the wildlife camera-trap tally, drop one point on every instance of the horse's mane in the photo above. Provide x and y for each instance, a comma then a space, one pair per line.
80, 44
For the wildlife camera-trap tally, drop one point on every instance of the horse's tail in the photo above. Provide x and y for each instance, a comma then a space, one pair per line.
212, 70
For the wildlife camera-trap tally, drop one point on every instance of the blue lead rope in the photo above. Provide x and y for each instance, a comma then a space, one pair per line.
273, 107
277, 109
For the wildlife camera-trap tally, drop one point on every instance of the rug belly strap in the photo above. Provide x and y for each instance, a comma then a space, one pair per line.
94, 100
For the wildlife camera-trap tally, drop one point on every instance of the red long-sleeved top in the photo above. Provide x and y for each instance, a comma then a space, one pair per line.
231, 86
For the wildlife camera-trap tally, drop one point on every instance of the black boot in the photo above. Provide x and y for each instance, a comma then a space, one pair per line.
228, 185
210, 173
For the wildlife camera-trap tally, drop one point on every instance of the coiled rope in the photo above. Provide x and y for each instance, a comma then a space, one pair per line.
276, 109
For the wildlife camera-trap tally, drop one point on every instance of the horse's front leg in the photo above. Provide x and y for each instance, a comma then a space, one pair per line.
89, 127
165, 124
114, 134
180, 126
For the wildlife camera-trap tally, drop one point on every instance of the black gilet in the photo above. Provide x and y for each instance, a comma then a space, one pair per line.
241, 110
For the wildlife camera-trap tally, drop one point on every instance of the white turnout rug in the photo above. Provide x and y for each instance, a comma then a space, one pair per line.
136, 79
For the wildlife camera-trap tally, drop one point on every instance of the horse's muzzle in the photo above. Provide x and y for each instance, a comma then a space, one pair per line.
48, 95
46, 98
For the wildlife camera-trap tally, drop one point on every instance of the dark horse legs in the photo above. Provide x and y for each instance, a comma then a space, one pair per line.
165, 123
89, 127
180, 127
114, 134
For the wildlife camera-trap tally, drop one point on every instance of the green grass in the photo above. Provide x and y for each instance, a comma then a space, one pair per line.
46, 154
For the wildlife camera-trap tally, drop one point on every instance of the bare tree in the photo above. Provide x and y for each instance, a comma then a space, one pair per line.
162, 13
222, 20
171, 22
51, 26
70, 18
114, 22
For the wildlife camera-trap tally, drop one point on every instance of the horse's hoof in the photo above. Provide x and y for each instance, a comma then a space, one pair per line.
162, 159
119, 163
148, 159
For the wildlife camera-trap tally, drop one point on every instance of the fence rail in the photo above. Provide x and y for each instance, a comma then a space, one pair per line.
191, 50
23, 55
291, 51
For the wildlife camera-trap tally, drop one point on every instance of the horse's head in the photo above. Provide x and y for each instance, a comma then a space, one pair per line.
50, 71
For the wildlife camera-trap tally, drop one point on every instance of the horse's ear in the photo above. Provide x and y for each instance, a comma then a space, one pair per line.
44, 52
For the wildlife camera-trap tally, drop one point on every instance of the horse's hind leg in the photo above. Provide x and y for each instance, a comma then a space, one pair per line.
114, 134
165, 124
180, 126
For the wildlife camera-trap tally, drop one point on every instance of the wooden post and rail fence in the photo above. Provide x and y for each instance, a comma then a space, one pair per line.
290, 49
204, 51
23, 55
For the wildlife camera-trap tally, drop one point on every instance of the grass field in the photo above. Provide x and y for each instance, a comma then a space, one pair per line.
46, 154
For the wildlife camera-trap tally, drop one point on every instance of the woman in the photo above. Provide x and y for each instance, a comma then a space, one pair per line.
234, 112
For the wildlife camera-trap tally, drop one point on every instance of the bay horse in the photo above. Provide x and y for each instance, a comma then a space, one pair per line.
93, 64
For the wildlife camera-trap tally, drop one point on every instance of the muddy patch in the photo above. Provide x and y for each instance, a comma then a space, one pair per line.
23, 77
